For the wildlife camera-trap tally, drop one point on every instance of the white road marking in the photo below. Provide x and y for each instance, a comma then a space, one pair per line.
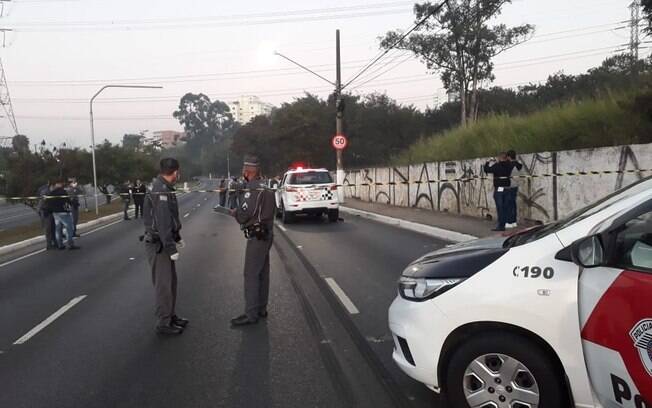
198, 205
132, 258
22, 257
45, 323
282, 228
348, 304
186, 215
43, 250
100, 228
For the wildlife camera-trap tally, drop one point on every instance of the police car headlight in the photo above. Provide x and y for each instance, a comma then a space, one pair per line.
420, 289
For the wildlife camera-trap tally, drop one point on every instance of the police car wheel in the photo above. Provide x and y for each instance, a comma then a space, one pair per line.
333, 215
286, 217
503, 370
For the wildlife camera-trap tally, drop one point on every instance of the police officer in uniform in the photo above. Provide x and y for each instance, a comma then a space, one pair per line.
255, 214
162, 241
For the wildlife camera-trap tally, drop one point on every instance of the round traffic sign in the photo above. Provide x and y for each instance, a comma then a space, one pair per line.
339, 142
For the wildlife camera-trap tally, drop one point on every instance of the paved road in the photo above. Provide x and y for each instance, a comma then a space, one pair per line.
102, 352
16, 215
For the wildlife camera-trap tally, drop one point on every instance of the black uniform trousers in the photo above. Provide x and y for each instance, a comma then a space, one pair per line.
256, 276
164, 278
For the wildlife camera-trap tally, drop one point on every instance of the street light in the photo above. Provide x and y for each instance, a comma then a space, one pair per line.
97, 210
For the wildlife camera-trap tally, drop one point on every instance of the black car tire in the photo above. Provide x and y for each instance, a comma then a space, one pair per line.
333, 215
530, 354
286, 217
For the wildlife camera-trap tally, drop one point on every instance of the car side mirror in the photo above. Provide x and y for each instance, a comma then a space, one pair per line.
588, 252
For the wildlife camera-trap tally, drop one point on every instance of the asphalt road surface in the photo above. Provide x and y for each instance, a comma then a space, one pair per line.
78, 327
16, 215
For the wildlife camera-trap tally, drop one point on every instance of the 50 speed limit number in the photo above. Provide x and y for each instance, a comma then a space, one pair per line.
339, 142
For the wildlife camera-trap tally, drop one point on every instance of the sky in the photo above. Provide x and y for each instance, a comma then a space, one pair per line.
61, 52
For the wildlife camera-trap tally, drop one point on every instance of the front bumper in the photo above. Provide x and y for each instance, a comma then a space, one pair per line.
419, 330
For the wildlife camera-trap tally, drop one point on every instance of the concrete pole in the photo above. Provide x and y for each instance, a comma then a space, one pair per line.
339, 116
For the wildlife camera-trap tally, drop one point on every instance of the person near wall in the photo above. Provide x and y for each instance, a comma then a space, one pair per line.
512, 192
501, 168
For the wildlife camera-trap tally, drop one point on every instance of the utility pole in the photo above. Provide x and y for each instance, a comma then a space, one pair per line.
339, 116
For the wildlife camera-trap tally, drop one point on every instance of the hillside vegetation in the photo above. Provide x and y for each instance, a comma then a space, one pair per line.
614, 119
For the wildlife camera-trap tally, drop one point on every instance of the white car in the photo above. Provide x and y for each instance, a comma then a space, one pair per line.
307, 191
555, 316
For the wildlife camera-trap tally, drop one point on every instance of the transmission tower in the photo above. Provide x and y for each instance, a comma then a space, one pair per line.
5, 98
635, 20
5, 141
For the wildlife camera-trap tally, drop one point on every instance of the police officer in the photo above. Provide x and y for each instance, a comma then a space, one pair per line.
162, 240
255, 214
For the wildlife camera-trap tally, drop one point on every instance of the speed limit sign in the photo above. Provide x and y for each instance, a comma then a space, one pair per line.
339, 142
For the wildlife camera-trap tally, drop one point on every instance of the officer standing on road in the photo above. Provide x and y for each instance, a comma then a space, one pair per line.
255, 214
139, 197
162, 239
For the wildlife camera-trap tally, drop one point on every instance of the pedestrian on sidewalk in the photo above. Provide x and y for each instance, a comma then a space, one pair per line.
512, 192
139, 197
74, 191
125, 195
61, 208
47, 219
501, 169
162, 242
255, 214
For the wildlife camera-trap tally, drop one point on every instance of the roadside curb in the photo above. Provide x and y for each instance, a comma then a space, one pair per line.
8, 249
441, 233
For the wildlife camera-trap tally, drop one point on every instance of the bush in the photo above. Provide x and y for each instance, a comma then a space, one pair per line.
611, 120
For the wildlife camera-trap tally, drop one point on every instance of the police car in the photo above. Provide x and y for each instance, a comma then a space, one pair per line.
307, 191
554, 316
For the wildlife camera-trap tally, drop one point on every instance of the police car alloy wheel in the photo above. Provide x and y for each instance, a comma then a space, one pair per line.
502, 370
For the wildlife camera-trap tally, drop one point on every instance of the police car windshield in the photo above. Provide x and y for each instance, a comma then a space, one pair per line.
310, 177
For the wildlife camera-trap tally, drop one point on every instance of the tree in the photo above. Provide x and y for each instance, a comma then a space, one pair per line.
458, 42
209, 128
20, 143
647, 12
132, 142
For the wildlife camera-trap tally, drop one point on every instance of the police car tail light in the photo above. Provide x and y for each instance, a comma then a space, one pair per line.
420, 289
334, 187
291, 189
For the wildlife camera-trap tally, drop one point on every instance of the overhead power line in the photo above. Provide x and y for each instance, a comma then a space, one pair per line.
396, 43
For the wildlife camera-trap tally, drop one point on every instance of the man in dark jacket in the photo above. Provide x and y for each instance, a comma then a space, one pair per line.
125, 195
502, 171
75, 192
138, 193
162, 226
60, 207
47, 219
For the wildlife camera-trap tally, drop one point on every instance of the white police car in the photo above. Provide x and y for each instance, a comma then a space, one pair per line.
555, 316
307, 191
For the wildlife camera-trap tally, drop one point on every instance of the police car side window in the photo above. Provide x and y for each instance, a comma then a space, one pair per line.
634, 244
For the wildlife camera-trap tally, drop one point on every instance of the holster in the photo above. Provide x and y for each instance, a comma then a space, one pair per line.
257, 231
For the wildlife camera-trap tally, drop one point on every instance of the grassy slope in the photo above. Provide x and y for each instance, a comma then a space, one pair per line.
592, 123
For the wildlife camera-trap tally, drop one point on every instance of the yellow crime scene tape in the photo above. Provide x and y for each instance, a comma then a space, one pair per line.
391, 183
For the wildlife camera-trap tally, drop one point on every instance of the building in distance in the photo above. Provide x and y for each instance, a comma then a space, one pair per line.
248, 107
168, 139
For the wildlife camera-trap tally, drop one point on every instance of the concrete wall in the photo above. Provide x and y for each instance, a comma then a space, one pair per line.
435, 186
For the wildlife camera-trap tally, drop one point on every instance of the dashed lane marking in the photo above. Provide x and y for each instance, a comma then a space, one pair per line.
186, 215
45, 323
346, 301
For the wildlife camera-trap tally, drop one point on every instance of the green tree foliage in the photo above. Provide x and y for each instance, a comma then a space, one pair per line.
209, 128
647, 12
132, 142
301, 131
20, 144
458, 43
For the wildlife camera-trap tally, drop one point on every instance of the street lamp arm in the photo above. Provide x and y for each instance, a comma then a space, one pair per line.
97, 210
